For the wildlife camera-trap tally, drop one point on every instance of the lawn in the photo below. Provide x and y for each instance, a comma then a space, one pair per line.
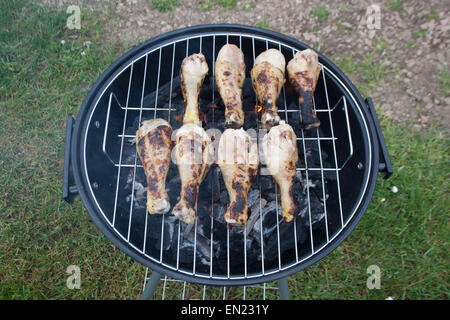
45, 72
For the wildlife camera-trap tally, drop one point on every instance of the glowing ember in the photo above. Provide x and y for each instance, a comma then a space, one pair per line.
178, 118
203, 118
258, 107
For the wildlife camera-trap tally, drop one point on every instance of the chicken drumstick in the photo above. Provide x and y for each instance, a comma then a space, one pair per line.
281, 156
230, 76
194, 150
304, 72
267, 80
238, 161
154, 144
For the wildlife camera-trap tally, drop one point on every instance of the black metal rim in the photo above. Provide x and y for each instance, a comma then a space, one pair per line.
87, 198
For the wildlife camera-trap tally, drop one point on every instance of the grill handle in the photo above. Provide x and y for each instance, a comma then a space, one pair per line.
385, 166
69, 189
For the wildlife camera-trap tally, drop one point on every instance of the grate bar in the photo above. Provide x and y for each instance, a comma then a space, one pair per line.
171, 82
133, 136
277, 210
212, 189
322, 178
287, 121
245, 228
136, 154
202, 294
228, 227
196, 217
121, 146
307, 183
260, 207
298, 169
334, 150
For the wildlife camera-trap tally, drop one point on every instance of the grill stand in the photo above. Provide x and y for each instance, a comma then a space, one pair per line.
283, 288
152, 284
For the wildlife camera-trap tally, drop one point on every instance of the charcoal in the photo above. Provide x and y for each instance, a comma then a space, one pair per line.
176, 116
154, 229
271, 241
224, 197
186, 252
188, 238
174, 180
204, 210
267, 184
250, 120
235, 251
218, 212
169, 231
254, 216
247, 91
269, 216
204, 193
272, 195
252, 197
213, 181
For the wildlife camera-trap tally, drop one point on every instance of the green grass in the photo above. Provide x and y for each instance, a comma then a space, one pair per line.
163, 5
396, 5
226, 4
321, 13
430, 15
345, 8
42, 81
444, 81
420, 33
380, 45
366, 68
263, 24
412, 44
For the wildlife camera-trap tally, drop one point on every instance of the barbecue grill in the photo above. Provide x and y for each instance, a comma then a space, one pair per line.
337, 169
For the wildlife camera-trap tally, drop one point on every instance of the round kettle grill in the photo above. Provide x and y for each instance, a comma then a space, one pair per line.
336, 172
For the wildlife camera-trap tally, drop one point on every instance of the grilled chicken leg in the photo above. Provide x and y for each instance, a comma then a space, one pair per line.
281, 156
304, 72
194, 151
193, 71
267, 80
154, 144
230, 76
238, 161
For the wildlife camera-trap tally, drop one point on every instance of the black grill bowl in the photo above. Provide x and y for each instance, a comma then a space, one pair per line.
337, 170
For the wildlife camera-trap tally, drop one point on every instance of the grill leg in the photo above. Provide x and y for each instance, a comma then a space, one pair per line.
283, 288
151, 285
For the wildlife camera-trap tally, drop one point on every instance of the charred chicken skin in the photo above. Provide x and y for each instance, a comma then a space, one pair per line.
230, 76
304, 71
194, 151
238, 161
281, 156
154, 144
267, 79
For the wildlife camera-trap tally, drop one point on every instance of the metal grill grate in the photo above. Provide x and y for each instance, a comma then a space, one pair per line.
118, 142
180, 290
